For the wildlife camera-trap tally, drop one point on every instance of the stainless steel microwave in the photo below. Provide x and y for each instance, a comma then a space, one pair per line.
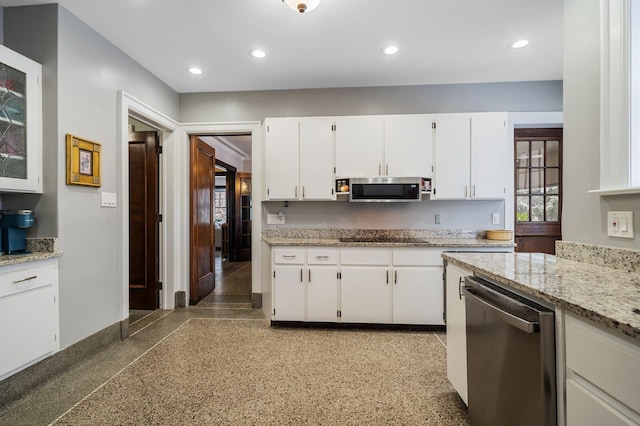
385, 189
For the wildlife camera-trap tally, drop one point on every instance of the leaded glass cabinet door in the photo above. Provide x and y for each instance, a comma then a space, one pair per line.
20, 123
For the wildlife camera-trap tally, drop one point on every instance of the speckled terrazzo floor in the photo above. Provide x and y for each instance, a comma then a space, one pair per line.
213, 371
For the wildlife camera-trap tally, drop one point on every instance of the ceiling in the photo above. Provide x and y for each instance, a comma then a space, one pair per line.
336, 45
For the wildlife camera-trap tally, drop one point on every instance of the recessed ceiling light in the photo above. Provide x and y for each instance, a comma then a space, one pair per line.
257, 53
520, 43
390, 50
195, 71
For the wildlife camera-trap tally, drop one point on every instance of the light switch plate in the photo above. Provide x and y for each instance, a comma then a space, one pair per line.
275, 219
620, 224
495, 219
109, 199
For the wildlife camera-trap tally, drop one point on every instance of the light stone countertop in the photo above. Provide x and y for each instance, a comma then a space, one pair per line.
604, 295
14, 259
428, 242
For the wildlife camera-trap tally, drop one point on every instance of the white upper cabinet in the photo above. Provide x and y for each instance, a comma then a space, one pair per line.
359, 146
316, 159
408, 145
20, 123
299, 159
281, 158
393, 145
470, 156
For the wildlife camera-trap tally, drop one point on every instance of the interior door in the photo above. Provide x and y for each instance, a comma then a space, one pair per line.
143, 220
202, 215
538, 186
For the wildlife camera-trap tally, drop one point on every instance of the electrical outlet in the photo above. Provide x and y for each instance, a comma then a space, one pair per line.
620, 224
495, 219
437, 219
275, 219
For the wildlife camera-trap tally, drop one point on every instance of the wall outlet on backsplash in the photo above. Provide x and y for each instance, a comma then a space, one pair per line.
620, 224
275, 219
495, 219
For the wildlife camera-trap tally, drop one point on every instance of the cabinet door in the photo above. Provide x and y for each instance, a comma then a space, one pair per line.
20, 123
585, 408
488, 155
452, 156
365, 294
316, 159
408, 145
359, 146
281, 158
288, 293
456, 330
418, 295
322, 293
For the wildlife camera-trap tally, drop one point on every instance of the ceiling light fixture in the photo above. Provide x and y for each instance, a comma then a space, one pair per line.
520, 43
257, 53
390, 50
195, 71
302, 6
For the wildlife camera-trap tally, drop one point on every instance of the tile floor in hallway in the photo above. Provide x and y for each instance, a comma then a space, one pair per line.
43, 405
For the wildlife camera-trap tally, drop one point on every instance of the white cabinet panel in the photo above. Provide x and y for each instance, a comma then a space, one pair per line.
456, 330
365, 294
359, 146
452, 156
365, 256
288, 293
316, 159
408, 145
418, 295
281, 158
417, 257
586, 409
489, 163
322, 293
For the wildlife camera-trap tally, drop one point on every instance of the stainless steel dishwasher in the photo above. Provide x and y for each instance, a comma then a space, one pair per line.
510, 357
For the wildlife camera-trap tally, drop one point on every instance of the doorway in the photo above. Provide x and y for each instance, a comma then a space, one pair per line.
538, 189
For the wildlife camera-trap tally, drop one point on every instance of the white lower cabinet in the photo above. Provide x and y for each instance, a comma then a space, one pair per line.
305, 284
456, 330
28, 314
603, 373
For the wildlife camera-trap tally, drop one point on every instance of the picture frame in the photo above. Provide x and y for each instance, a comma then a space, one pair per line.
83, 162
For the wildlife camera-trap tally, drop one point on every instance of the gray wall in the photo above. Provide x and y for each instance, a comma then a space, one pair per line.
584, 214
90, 71
255, 106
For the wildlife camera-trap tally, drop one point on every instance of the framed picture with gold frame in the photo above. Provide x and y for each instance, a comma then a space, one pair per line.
83, 162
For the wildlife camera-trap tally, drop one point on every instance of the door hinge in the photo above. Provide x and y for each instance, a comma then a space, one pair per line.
274, 274
331, 191
433, 125
159, 217
334, 169
267, 191
333, 127
55, 337
339, 275
339, 314
434, 191
274, 311
267, 129
159, 148
159, 285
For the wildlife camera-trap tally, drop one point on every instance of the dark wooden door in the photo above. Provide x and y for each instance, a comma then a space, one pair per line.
202, 254
538, 186
143, 220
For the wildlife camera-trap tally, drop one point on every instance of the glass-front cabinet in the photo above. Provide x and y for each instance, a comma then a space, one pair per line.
20, 123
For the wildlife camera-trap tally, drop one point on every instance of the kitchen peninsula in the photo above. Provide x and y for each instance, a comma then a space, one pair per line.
595, 292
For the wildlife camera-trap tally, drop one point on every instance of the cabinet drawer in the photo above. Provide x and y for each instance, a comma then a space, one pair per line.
365, 256
27, 276
322, 257
417, 257
291, 256
605, 360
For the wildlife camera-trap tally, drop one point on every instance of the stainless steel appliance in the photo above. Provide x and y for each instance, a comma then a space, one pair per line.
510, 357
385, 189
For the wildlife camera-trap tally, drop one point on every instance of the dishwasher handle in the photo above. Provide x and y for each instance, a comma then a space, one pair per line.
471, 293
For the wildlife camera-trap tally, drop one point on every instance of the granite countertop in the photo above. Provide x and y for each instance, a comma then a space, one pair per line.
430, 242
605, 295
13, 259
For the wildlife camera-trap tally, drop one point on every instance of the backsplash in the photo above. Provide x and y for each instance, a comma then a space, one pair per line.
609, 257
370, 233
42, 245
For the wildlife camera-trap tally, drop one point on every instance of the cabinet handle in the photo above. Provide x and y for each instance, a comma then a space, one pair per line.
289, 256
460, 287
309, 276
25, 279
395, 277
386, 171
379, 169
300, 274
322, 257
296, 192
473, 194
387, 277
465, 191
303, 192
